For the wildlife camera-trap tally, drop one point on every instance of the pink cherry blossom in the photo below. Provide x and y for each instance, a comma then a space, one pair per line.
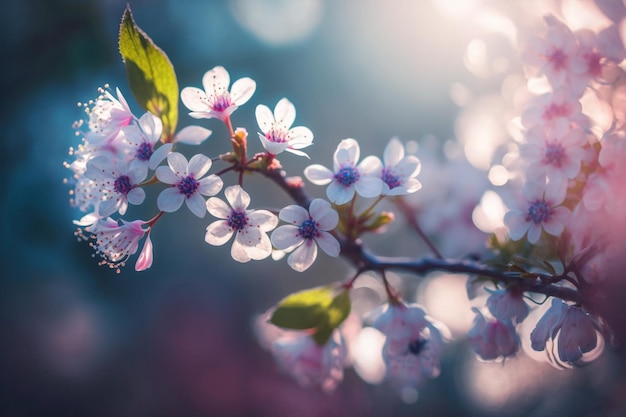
412, 346
108, 116
398, 171
539, 212
307, 229
493, 339
186, 183
217, 101
250, 227
278, 135
115, 242
555, 112
308, 362
554, 159
551, 55
347, 177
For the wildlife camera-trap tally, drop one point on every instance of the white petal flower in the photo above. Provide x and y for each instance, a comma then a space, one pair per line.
348, 177
507, 304
143, 137
249, 226
277, 134
186, 183
216, 101
118, 182
307, 228
399, 171
115, 243
107, 117
541, 213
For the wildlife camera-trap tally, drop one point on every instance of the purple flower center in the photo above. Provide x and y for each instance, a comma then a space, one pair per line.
558, 60
122, 185
237, 220
347, 176
416, 346
308, 229
278, 136
144, 151
554, 154
554, 110
188, 186
222, 102
391, 179
538, 212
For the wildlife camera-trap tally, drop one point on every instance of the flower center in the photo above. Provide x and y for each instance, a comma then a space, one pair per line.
222, 102
188, 186
391, 179
347, 176
593, 64
558, 60
538, 212
416, 346
308, 229
144, 151
122, 185
278, 136
554, 111
237, 220
554, 154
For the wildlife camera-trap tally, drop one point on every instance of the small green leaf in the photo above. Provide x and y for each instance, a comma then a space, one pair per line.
320, 309
303, 310
150, 74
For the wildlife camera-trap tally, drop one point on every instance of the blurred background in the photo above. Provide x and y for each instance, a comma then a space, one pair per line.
442, 75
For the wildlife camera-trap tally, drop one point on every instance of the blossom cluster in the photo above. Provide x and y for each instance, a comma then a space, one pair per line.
568, 165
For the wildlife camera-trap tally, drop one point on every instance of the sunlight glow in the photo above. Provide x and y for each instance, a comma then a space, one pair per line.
367, 355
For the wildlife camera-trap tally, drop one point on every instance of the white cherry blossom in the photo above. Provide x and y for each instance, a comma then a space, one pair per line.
115, 242
278, 135
107, 117
144, 136
539, 212
186, 183
217, 101
118, 182
398, 171
250, 227
347, 177
307, 229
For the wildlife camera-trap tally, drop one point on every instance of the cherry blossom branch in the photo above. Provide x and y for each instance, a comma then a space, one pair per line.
364, 260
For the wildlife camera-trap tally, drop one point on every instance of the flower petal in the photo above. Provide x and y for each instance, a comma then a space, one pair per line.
238, 198
294, 214
170, 200
145, 257
216, 81
368, 186
318, 174
370, 165
218, 208
263, 219
264, 118
166, 176
285, 237
273, 148
347, 152
393, 153
199, 165
136, 196
285, 113
159, 155
242, 90
339, 194
218, 233
194, 99
303, 257
328, 243
177, 163
193, 135
210, 185
196, 204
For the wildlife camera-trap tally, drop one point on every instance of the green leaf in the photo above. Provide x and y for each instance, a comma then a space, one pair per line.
150, 74
303, 310
320, 309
